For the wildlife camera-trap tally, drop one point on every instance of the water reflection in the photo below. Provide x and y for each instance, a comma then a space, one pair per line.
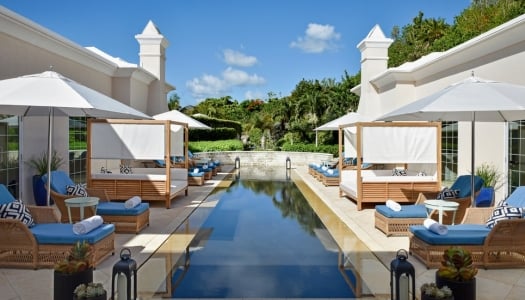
255, 239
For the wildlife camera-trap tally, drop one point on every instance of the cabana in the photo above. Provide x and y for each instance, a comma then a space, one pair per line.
402, 159
120, 152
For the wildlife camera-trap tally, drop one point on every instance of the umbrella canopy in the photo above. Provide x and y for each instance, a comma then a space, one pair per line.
49, 94
34, 95
349, 118
175, 115
473, 99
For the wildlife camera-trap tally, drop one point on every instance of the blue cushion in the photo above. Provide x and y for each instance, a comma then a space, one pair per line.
60, 233
462, 184
517, 197
159, 162
118, 208
407, 211
59, 181
485, 197
462, 234
5, 195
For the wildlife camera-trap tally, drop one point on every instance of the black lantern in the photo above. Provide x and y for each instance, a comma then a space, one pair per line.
401, 273
288, 163
128, 267
237, 162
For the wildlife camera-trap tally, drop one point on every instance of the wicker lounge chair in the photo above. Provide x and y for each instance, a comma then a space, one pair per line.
125, 220
498, 247
397, 223
47, 242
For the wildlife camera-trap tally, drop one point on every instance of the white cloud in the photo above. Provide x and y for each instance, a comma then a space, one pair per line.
235, 77
209, 86
235, 58
318, 38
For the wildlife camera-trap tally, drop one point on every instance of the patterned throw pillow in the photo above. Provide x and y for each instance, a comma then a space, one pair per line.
18, 211
399, 172
126, 169
447, 193
504, 212
76, 190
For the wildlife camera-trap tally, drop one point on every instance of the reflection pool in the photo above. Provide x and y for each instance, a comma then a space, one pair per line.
257, 238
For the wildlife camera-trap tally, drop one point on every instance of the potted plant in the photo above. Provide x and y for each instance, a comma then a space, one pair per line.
91, 291
430, 291
458, 273
72, 271
39, 163
491, 177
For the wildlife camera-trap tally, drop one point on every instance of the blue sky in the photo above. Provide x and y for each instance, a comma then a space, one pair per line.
240, 48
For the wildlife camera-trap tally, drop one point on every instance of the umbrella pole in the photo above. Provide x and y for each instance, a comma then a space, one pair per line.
49, 148
472, 162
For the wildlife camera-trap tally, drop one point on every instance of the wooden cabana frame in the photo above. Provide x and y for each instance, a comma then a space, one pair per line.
376, 184
119, 140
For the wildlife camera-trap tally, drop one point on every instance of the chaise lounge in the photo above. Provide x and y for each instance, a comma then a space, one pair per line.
126, 220
498, 247
397, 223
47, 242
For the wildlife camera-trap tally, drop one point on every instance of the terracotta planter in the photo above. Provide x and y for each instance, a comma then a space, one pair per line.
65, 284
464, 290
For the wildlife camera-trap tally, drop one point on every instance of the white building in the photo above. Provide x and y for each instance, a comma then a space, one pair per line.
498, 55
28, 48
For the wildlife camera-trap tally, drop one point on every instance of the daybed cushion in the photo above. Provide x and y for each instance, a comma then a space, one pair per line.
61, 233
59, 181
462, 234
407, 211
517, 198
5, 195
117, 208
463, 183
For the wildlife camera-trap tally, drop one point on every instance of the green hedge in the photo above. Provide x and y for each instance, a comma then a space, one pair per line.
299, 147
224, 145
214, 134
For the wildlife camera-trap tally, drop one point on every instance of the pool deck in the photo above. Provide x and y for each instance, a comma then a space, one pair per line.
22, 284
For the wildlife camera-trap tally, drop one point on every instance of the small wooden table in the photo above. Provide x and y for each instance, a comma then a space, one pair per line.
80, 202
441, 206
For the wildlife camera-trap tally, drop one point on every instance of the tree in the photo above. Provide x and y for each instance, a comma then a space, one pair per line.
174, 102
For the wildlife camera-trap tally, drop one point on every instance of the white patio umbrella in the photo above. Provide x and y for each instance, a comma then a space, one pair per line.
50, 94
175, 115
473, 99
349, 118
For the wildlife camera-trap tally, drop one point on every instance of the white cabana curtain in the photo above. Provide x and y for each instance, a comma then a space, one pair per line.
350, 139
391, 144
177, 140
127, 141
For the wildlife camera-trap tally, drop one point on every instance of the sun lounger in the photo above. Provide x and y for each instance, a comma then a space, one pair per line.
47, 242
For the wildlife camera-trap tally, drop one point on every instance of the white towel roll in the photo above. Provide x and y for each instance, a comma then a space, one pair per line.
132, 202
330, 171
87, 225
393, 205
435, 227
196, 171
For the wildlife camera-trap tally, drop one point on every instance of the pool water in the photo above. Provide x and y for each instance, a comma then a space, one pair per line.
257, 239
